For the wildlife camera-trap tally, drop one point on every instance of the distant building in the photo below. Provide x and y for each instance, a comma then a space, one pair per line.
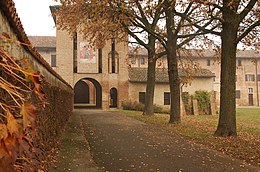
104, 78
46, 46
247, 74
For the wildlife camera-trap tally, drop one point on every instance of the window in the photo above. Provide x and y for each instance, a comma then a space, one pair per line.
133, 60
250, 90
75, 47
250, 77
142, 97
167, 98
53, 60
100, 60
258, 77
237, 94
239, 63
113, 50
142, 60
113, 60
208, 62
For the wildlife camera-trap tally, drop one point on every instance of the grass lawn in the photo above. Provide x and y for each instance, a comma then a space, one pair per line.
202, 127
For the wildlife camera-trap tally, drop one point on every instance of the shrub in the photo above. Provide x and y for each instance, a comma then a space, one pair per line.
129, 105
186, 98
203, 98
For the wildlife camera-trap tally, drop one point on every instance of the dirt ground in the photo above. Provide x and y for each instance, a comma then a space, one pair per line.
97, 140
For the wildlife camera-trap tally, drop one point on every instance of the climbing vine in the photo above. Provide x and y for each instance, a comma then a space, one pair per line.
203, 98
19, 85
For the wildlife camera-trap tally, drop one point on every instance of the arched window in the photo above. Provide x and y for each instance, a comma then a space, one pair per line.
113, 60
113, 97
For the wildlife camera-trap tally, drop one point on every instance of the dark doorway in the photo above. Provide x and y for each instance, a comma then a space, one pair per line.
87, 94
81, 93
113, 97
250, 100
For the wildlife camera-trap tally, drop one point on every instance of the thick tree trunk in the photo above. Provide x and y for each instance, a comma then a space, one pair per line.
227, 117
150, 85
175, 115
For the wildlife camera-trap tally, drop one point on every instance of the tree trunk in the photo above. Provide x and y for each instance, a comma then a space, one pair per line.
227, 117
175, 116
150, 84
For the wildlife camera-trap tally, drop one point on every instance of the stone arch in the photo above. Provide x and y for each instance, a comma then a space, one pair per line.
88, 93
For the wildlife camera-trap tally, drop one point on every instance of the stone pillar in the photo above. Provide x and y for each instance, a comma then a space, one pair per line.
212, 104
183, 111
195, 107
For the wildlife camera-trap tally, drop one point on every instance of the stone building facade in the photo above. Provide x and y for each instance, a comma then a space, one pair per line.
46, 46
99, 84
98, 76
248, 72
106, 77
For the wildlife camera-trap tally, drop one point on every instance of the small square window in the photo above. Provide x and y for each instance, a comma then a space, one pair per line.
250, 90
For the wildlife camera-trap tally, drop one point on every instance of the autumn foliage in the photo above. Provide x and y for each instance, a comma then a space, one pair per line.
19, 84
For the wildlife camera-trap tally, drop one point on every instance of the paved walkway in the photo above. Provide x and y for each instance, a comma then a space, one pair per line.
120, 143
74, 151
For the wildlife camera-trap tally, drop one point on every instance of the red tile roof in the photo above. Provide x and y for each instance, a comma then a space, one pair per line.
43, 41
140, 74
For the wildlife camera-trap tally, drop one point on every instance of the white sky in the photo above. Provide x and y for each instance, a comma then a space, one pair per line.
35, 16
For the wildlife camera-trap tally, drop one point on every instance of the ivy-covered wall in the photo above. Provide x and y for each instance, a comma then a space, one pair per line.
35, 101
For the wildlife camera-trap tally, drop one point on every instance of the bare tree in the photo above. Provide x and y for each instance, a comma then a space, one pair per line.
240, 22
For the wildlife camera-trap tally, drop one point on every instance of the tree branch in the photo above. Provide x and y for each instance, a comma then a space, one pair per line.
249, 29
247, 9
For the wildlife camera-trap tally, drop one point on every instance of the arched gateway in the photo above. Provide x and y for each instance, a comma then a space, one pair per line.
88, 93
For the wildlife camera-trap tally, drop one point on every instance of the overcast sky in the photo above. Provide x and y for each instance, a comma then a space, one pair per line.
36, 17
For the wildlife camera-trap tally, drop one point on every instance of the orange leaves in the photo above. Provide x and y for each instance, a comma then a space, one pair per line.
34, 76
19, 83
28, 112
12, 124
8, 136
3, 132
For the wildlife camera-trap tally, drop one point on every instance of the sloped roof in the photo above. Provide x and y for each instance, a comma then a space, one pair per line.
9, 10
43, 41
206, 53
140, 74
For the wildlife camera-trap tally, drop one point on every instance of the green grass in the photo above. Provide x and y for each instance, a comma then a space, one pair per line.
249, 115
248, 120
